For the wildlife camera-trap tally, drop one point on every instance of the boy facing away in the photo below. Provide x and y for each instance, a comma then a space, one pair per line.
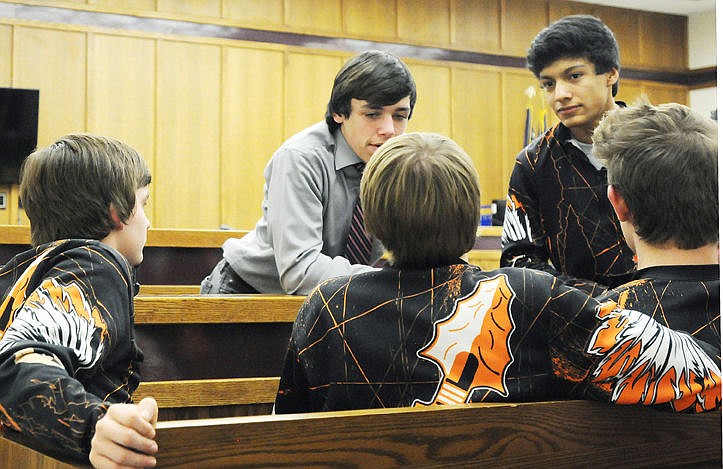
68, 358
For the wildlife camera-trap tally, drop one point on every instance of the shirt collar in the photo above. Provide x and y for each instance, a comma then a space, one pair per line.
344, 156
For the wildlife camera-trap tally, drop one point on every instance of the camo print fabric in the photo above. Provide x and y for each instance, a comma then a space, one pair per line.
67, 347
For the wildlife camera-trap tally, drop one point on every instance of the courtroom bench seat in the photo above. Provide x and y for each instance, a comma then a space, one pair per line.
540, 435
233, 344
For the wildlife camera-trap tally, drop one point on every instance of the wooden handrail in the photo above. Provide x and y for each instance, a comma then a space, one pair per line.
209, 392
543, 434
157, 237
210, 309
547, 434
166, 290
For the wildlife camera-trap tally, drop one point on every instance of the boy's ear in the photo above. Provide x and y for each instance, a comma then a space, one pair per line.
117, 223
619, 204
613, 75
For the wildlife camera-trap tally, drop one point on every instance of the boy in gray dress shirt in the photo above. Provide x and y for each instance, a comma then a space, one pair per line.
312, 186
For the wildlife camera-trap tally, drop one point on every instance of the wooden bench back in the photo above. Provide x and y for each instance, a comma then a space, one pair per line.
554, 434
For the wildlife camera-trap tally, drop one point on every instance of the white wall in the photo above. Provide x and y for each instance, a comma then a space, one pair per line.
702, 53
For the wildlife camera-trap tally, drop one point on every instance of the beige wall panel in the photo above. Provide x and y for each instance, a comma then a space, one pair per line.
560, 8
252, 113
121, 94
625, 25
188, 136
55, 63
308, 79
270, 12
514, 105
521, 21
432, 112
17, 215
6, 55
210, 8
314, 15
424, 22
477, 126
5, 217
370, 19
476, 25
629, 90
660, 93
125, 5
664, 42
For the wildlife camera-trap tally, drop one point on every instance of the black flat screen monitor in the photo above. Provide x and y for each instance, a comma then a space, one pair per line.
18, 130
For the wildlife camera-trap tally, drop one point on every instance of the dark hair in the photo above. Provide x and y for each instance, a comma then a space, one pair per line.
67, 188
663, 161
420, 195
575, 36
374, 76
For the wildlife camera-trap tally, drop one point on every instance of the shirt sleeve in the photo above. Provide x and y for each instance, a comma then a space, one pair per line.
522, 233
626, 357
54, 349
295, 216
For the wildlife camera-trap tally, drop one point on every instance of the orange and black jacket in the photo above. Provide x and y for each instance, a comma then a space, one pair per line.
456, 334
67, 348
558, 217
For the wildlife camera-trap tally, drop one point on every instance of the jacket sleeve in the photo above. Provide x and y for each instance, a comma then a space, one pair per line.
626, 357
523, 239
55, 346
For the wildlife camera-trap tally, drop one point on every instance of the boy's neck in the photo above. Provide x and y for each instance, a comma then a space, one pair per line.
650, 256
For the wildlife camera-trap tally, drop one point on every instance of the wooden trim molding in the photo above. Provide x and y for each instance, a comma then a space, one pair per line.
129, 22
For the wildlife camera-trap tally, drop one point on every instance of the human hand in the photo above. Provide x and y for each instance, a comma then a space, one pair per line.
124, 436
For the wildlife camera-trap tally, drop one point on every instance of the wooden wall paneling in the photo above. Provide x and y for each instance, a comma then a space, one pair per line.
660, 93
370, 19
628, 90
664, 41
53, 61
6, 55
432, 112
625, 25
424, 22
475, 25
125, 5
6, 81
188, 135
17, 215
122, 94
253, 98
308, 79
477, 126
5, 217
560, 8
514, 105
521, 21
313, 16
207, 8
268, 12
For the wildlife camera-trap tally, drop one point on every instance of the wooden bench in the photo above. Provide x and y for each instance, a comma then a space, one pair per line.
185, 257
168, 290
233, 344
546, 434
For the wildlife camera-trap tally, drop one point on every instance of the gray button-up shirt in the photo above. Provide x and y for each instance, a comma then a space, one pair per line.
311, 187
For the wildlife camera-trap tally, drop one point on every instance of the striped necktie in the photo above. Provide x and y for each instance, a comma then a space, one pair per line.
359, 243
